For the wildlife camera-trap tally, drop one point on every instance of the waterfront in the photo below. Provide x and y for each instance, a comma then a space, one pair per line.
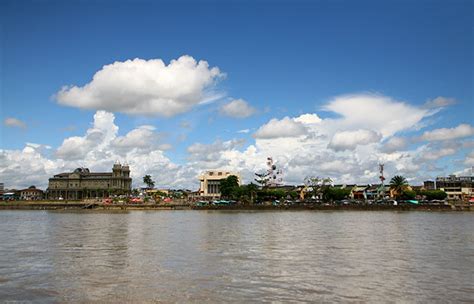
236, 256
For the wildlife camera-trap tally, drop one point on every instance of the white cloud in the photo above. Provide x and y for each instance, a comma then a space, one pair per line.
143, 137
237, 108
394, 144
147, 87
210, 153
439, 102
308, 119
23, 168
14, 122
348, 140
375, 112
436, 154
463, 130
244, 131
285, 127
299, 145
98, 149
469, 161
96, 139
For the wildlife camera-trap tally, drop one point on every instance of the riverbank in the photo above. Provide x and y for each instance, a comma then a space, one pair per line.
66, 205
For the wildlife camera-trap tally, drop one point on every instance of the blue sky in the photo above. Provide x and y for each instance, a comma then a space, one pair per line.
282, 58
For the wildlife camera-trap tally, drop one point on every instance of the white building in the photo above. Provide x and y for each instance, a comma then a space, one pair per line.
209, 182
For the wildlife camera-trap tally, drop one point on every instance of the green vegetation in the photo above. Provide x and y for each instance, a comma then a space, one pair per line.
148, 181
336, 194
319, 186
434, 194
408, 194
399, 184
228, 186
245, 193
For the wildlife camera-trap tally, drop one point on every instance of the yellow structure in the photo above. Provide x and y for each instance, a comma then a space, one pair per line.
303, 192
209, 182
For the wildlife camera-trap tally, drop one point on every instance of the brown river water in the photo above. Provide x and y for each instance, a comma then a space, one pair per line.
236, 256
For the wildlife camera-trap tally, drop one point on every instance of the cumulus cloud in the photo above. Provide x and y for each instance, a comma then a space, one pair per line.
26, 167
147, 87
469, 161
375, 112
394, 144
14, 122
305, 145
98, 149
436, 154
346, 147
211, 152
308, 118
348, 140
143, 137
96, 139
237, 108
285, 127
439, 102
463, 130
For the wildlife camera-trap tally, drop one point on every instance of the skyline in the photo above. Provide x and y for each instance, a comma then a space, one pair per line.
324, 88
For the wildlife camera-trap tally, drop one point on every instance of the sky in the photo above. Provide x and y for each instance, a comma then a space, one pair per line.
325, 88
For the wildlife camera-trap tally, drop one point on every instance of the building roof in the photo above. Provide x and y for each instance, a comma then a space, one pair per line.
31, 190
84, 175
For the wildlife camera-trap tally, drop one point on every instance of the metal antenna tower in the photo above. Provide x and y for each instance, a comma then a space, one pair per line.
273, 173
381, 191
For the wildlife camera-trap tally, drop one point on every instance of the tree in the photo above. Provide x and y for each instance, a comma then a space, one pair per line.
148, 181
319, 186
408, 194
246, 193
337, 194
434, 194
398, 184
228, 185
252, 191
262, 179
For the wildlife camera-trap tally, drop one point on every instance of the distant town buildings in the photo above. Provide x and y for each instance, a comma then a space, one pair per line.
81, 183
429, 185
456, 187
31, 194
209, 182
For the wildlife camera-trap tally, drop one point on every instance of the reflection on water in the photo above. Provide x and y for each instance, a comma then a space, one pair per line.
216, 256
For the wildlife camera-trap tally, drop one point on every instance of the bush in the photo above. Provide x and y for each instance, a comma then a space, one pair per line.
434, 194
337, 194
408, 195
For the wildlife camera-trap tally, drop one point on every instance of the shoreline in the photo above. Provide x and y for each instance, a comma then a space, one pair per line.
79, 205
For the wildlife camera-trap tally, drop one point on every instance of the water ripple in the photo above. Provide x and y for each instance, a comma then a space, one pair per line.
221, 256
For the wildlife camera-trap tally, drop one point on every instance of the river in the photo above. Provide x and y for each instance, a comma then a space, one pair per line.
236, 256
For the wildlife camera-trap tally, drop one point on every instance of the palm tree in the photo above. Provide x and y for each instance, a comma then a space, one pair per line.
398, 183
148, 181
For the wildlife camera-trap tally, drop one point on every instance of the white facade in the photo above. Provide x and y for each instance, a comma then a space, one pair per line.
209, 182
